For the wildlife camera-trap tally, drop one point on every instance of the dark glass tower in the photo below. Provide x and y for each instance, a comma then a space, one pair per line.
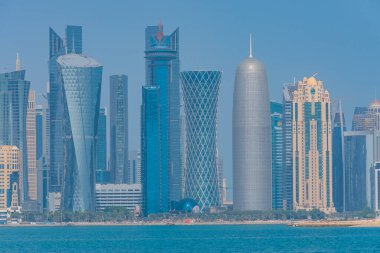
14, 91
119, 128
101, 149
56, 103
338, 161
162, 71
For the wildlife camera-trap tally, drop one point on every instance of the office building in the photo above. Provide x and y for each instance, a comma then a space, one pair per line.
31, 146
200, 95
338, 162
251, 137
118, 195
312, 147
162, 71
57, 48
10, 176
80, 78
102, 174
14, 91
276, 111
119, 128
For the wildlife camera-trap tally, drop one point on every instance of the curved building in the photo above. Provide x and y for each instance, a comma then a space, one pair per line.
200, 95
251, 134
81, 79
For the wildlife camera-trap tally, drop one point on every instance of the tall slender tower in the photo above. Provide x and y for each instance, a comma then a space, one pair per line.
251, 135
312, 147
31, 146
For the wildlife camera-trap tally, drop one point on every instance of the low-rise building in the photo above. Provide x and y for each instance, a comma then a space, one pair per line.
118, 195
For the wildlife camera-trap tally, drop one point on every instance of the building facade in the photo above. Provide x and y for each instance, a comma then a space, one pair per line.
251, 138
119, 128
31, 146
312, 147
276, 110
14, 92
102, 174
10, 178
118, 195
200, 95
135, 167
162, 70
80, 78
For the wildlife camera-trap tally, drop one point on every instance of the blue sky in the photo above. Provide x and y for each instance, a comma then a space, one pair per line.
338, 39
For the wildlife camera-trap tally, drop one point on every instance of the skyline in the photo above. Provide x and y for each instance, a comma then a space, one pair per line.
300, 46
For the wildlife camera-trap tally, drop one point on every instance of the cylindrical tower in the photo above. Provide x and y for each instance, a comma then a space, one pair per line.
200, 95
251, 134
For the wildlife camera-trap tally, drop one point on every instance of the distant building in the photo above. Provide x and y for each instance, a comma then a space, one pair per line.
367, 118
135, 167
287, 147
54, 201
119, 128
251, 137
377, 188
80, 78
10, 178
200, 95
277, 156
102, 173
118, 195
31, 146
312, 147
14, 91
338, 162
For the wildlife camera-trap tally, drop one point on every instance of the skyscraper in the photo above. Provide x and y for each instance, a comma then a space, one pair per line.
101, 149
80, 78
162, 70
287, 147
154, 176
31, 146
119, 128
135, 167
39, 131
276, 110
338, 160
200, 95
312, 147
14, 91
251, 136
58, 47
10, 176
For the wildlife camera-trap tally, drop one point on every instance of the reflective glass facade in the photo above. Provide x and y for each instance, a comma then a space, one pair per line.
101, 146
80, 78
162, 70
277, 157
200, 95
14, 91
119, 128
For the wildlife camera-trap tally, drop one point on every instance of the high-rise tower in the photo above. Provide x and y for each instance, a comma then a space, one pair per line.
251, 135
312, 147
31, 146
200, 95
276, 110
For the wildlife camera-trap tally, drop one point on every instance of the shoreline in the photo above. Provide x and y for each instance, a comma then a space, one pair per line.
300, 223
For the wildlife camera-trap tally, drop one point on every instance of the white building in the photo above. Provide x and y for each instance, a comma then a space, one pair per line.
118, 195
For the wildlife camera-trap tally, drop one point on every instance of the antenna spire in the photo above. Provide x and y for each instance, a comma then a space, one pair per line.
250, 45
18, 63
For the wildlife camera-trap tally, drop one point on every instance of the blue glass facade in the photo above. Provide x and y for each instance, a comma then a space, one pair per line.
162, 70
14, 90
119, 128
200, 95
154, 177
80, 78
39, 133
101, 147
277, 156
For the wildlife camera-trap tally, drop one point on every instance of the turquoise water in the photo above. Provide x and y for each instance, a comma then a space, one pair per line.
223, 238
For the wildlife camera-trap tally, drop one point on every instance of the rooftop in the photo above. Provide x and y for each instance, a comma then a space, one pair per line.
77, 60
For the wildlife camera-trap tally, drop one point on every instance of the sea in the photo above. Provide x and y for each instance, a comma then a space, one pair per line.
189, 238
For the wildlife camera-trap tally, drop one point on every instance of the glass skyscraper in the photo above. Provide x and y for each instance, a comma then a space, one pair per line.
14, 91
58, 47
162, 70
200, 95
119, 128
276, 110
80, 78
102, 174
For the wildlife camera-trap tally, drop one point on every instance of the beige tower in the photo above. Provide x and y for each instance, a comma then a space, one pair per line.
10, 166
31, 146
312, 147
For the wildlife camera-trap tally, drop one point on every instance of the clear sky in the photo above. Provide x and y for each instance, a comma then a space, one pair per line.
338, 39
